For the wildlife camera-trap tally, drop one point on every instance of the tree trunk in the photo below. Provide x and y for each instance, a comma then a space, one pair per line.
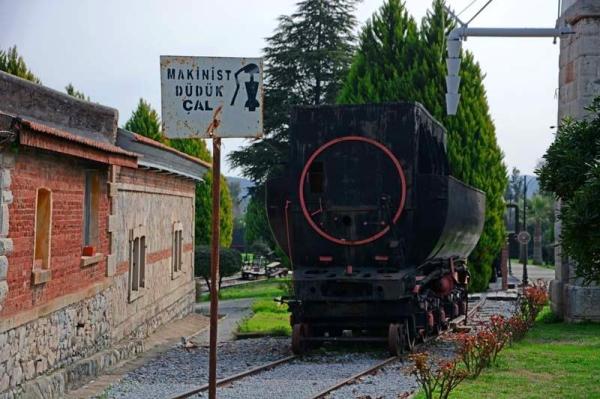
537, 243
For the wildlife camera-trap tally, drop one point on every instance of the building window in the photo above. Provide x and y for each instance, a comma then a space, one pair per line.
91, 208
43, 225
137, 262
177, 256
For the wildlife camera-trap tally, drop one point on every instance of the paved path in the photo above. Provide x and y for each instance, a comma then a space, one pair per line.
534, 272
234, 311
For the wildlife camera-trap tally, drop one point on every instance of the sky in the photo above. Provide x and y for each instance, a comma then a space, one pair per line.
110, 49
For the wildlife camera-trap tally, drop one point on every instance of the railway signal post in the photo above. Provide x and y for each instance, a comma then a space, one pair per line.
212, 98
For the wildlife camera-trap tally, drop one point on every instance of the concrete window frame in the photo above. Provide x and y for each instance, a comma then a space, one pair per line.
177, 251
137, 262
42, 237
91, 207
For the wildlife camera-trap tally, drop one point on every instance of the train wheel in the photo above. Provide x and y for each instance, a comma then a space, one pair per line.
396, 338
299, 333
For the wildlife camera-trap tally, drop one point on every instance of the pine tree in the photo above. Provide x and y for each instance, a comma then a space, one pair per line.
11, 62
70, 89
305, 61
145, 121
396, 61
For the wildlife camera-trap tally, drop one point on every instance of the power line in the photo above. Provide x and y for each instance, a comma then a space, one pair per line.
467, 7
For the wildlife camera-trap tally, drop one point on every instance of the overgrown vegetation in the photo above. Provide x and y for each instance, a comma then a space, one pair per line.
571, 170
478, 351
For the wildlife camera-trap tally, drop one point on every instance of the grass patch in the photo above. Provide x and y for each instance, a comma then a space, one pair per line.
261, 289
555, 360
275, 324
269, 318
269, 306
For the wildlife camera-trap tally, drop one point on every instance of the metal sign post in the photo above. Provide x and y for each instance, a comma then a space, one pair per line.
212, 97
214, 267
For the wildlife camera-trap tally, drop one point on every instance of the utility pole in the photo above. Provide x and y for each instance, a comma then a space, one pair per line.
461, 32
525, 282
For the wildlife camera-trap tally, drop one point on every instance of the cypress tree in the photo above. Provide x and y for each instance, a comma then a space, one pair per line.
383, 69
415, 71
145, 121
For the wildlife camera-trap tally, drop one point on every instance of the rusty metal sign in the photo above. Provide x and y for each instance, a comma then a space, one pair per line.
211, 96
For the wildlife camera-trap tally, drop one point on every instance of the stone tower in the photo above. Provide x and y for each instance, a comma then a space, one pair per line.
579, 83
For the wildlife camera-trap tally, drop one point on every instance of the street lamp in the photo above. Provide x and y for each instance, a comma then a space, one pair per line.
526, 237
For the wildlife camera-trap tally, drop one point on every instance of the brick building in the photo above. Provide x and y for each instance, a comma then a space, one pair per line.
96, 239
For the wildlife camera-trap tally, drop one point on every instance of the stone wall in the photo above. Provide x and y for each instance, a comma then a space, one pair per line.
56, 340
156, 202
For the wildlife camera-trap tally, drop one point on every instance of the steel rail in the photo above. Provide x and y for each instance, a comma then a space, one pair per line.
235, 377
268, 366
387, 361
354, 377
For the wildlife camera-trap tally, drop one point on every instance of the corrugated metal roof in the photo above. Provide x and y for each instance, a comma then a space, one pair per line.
158, 156
41, 128
157, 144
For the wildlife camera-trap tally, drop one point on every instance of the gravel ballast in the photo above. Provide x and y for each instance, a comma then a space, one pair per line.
301, 378
177, 370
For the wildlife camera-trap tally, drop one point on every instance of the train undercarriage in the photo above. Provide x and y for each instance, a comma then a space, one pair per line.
385, 306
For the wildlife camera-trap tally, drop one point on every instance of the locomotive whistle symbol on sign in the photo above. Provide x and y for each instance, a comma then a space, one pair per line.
251, 86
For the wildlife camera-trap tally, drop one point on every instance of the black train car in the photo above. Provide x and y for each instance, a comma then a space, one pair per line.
376, 228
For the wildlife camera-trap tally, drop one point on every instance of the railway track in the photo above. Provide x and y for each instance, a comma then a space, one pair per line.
324, 392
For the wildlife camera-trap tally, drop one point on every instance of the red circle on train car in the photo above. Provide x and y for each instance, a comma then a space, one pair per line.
320, 150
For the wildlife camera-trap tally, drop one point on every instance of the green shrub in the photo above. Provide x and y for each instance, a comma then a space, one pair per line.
230, 263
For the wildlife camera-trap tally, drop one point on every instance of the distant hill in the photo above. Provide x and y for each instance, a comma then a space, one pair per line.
243, 197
